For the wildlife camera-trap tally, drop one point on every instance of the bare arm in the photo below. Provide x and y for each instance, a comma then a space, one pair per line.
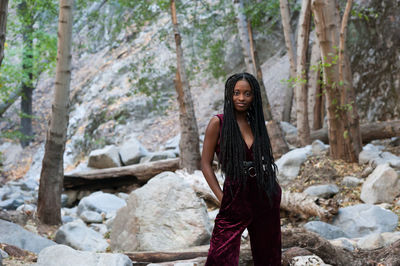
210, 142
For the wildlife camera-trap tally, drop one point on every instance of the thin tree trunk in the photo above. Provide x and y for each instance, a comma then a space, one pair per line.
301, 83
290, 44
314, 93
11, 99
189, 143
241, 22
340, 124
51, 177
3, 26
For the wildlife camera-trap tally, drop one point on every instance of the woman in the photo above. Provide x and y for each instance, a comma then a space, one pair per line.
251, 194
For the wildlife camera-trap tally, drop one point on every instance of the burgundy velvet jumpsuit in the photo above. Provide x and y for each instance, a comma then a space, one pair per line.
244, 207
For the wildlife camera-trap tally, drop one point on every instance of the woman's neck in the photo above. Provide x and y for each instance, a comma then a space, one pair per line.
241, 116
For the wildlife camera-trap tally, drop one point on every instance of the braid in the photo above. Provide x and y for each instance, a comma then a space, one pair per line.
232, 144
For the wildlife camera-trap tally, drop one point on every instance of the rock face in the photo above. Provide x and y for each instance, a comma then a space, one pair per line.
77, 235
104, 158
325, 230
131, 151
383, 185
101, 203
322, 191
363, 219
15, 235
164, 214
289, 164
61, 255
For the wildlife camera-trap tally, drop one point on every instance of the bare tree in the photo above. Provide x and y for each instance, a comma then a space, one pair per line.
3, 26
343, 125
189, 143
51, 177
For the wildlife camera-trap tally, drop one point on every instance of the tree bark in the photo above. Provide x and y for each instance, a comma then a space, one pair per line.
51, 177
189, 143
241, 22
303, 127
341, 139
278, 142
3, 26
369, 132
290, 44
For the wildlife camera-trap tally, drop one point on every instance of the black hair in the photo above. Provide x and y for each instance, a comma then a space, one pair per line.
232, 144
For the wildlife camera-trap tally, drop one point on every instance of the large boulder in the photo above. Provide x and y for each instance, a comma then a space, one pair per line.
383, 185
13, 234
77, 235
61, 255
289, 164
101, 203
104, 158
363, 219
164, 214
325, 230
131, 151
374, 156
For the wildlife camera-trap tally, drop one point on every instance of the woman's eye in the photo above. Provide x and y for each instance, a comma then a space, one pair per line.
236, 93
248, 94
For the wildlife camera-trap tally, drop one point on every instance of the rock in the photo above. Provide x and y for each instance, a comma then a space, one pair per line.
77, 235
371, 241
375, 156
351, 181
322, 191
173, 144
287, 128
104, 158
13, 234
289, 164
3, 254
36, 166
164, 214
91, 217
72, 196
156, 156
11, 152
101, 202
398, 203
61, 255
383, 185
363, 219
325, 230
131, 151
319, 148
27, 208
367, 171
390, 237
123, 195
66, 219
12, 203
344, 243
101, 228
307, 261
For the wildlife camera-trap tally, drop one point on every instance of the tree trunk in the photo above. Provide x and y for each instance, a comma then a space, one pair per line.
278, 142
341, 139
3, 26
51, 176
241, 22
189, 143
315, 104
303, 127
289, 41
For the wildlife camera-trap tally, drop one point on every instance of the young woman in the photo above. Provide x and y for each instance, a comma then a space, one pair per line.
251, 194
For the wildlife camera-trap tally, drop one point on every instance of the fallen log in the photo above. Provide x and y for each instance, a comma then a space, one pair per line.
369, 132
333, 255
118, 176
154, 257
307, 206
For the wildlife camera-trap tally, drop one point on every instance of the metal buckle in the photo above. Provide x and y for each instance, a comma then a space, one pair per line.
252, 171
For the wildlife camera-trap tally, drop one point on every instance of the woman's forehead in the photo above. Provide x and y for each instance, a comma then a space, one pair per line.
242, 84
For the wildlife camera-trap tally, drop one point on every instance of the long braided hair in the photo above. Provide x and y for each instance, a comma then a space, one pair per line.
232, 144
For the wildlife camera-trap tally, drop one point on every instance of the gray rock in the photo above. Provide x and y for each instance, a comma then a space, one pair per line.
131, 151
36, 166
163, 214
307, 261
390, 237
104, 158
351, 181
15, 235
72, 196
173, 143
101, 228
322, 191
367, 171
375, 156
91, 217
11, 152
287, 128
363, 219
289, 164
3, 254
61, 255
325, 230
27, 208
67, 219
101, 202
77, 235
371, 241
12, 203
383, 185
156, 156
319, 148
344, 243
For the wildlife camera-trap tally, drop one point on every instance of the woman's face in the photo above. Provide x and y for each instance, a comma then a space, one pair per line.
242, 96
